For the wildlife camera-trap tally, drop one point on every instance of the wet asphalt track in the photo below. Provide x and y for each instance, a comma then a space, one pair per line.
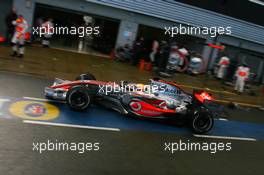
138, 148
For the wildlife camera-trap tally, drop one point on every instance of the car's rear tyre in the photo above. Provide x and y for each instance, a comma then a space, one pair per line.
78, 98
87, 76
202, 122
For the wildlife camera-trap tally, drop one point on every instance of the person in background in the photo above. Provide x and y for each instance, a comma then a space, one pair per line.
18, 40
154, 50
223, 65
242, 75
163, 58
231, 70
10, 28
174, 57
196, 64
38, 23
184, 52
138, 50
49, 29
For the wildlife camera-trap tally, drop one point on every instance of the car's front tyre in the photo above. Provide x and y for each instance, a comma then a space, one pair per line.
78, 98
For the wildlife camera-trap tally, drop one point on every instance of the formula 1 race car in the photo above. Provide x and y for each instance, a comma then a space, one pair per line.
158, 100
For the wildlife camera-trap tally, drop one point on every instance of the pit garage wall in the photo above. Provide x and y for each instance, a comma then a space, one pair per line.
131, 20
5, 9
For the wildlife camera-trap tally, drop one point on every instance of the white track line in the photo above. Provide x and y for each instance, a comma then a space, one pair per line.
43, 99
4, 100
69, 125
225, 137
222, 119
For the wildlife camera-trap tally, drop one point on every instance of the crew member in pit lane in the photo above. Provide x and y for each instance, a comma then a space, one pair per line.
242, 75
18, 40
49, 29
223, 65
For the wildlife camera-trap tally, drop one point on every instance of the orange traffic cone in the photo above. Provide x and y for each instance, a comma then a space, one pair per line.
142, 64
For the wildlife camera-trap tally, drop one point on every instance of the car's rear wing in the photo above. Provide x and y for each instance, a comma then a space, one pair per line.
202, 96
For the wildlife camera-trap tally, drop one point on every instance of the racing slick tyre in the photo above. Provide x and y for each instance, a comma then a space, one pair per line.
87, 76
202, 122
78, 98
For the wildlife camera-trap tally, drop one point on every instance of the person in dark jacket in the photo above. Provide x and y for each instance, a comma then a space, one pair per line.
10, 28
138, 48
163, 58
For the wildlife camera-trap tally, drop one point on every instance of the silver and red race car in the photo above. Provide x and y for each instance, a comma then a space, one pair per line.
159, 99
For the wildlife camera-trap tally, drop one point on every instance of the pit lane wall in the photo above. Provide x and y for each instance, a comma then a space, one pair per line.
157, 14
